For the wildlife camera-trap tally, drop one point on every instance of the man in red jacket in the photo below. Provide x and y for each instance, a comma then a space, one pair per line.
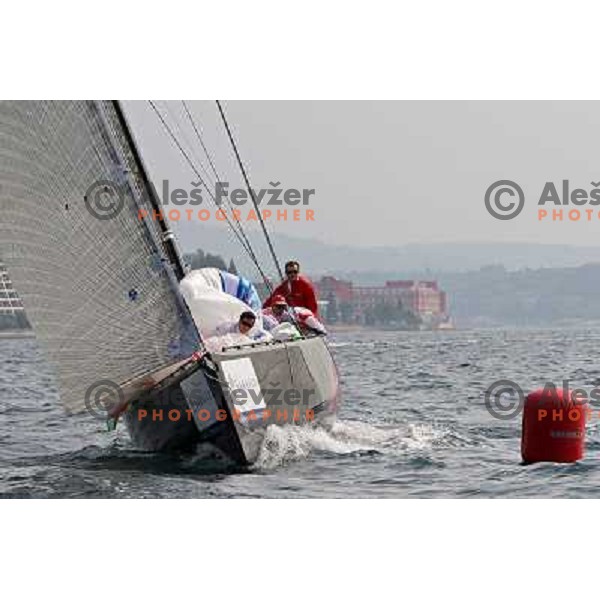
296, 289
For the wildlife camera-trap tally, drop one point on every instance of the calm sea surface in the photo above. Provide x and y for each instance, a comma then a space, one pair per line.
413, 424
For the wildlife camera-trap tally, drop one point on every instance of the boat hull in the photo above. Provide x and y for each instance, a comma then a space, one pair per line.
231, 403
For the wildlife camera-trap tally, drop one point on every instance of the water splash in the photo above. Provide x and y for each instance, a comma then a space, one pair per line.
283, 444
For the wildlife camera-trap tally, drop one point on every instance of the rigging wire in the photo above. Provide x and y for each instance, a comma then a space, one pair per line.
250, 190
218, 178
290, 309
199, 136
180, 130
241, 237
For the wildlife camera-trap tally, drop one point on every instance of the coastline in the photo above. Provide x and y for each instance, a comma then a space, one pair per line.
346, 328
356, 328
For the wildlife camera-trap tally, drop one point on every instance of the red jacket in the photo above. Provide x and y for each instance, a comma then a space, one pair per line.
298, 293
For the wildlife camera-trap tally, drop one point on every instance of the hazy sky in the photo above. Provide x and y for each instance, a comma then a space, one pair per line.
391, 173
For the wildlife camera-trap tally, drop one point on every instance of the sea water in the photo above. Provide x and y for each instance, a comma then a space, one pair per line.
413, 423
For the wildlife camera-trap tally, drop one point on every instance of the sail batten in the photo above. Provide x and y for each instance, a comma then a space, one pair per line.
100, 292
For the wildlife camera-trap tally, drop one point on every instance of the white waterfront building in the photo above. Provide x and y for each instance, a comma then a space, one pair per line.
11, 307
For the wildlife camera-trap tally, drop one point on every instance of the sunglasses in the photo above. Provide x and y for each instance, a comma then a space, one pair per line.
292, 272
247, 324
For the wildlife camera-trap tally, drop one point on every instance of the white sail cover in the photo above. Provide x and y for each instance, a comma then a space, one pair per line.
98, 289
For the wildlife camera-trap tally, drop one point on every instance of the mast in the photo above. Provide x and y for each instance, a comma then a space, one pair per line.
168, 237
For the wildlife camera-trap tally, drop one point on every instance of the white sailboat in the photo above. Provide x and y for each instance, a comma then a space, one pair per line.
102, 294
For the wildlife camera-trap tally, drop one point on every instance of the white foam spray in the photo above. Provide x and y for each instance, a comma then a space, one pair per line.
287, 443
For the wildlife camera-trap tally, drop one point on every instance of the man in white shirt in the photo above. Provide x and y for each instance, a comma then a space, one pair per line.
243, 326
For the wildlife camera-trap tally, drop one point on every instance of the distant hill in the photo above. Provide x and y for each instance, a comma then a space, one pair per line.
487, 284
495, 296
321, 258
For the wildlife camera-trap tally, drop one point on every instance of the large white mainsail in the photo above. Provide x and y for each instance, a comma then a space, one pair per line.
97, 283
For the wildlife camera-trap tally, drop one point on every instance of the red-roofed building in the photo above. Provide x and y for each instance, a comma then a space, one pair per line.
423, 298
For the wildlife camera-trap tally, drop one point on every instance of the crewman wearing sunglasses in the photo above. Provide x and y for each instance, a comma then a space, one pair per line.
244, 325
296, 289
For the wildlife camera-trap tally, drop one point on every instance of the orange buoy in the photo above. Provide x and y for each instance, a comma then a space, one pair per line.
553, 427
